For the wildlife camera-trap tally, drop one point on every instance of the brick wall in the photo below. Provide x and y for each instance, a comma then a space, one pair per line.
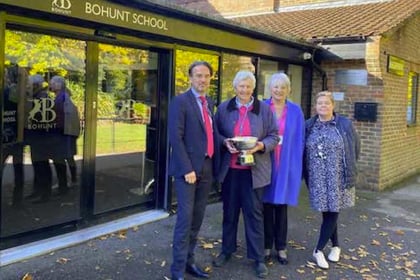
369, 132
390, 149
288, 3
400, 143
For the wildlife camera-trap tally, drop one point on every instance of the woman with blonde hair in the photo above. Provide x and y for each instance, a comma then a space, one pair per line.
286, 162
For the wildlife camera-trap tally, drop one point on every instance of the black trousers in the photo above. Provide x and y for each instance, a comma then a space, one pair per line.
61, 171
73, 168
328, 230
16, 151
42, 178
275, 226
237, 194
192, 201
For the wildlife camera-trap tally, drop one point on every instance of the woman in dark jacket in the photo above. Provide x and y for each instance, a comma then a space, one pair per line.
331, 150
243, 186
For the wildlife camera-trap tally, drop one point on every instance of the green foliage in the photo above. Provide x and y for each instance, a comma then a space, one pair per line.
106, 105
231, 65
44, 54
183, 61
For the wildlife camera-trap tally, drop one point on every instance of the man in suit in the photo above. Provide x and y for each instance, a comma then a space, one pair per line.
191, 135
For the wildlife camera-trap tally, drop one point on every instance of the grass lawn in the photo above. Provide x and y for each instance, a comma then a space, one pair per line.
117, 137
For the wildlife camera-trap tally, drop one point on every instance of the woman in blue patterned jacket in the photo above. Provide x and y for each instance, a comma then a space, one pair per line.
331, 151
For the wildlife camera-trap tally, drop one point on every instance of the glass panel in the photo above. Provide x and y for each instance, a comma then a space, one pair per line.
231, 65
295, 73
412, 96
268, 68
183, 60
42, 124
126, 127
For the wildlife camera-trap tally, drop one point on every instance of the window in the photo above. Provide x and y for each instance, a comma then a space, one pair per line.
183, 61
231, 65
44, 101
412, 97
267, 69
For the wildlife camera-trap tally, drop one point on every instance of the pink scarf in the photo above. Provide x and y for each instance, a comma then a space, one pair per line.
281, 122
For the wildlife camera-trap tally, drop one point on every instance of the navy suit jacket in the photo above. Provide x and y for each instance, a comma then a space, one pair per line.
187, 134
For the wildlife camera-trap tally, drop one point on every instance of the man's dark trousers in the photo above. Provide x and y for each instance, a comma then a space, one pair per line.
192, 201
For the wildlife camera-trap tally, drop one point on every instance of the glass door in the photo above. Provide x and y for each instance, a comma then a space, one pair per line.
42, 139
126, 136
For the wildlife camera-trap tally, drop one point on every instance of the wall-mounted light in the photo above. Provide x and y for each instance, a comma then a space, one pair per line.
306, 56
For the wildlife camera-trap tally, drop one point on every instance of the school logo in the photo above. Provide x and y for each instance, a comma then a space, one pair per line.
42, 114
61, 6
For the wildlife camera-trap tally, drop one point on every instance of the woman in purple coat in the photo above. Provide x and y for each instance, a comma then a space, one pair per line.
286, 161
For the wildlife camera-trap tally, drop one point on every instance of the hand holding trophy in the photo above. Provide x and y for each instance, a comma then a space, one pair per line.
245, 145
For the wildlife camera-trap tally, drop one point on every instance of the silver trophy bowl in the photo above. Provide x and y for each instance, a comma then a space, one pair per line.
244, 142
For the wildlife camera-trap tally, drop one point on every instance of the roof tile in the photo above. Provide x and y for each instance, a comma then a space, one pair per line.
346, 21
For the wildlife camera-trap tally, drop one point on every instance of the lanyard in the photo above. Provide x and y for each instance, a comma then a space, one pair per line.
242, 120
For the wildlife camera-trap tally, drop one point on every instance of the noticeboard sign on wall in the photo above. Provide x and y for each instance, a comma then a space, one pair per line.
395, 65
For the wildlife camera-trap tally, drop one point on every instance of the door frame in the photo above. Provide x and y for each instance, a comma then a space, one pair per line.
165, 87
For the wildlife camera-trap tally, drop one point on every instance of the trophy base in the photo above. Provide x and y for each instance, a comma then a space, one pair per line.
246, 160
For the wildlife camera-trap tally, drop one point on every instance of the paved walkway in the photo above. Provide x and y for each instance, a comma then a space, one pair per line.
379, 240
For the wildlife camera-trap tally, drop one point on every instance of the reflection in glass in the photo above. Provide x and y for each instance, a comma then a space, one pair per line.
231, 65
183, 61
127, 96
39, 152
267, 68
295, 73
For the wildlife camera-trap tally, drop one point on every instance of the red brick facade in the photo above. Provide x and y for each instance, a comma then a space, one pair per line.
390, 149
400, 144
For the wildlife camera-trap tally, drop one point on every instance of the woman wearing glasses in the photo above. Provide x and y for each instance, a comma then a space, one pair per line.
331, 151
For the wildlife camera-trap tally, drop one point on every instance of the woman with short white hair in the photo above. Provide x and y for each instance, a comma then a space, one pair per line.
242, 184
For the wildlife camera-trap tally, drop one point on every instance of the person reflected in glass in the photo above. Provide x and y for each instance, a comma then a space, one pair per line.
37, 136
243, 185
287, 160
331, 151
67, 128
191, 135
72, 128
12, 147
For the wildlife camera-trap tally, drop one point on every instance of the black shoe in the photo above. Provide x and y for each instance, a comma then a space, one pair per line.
33, 195
17, 202
41, 200
261, 270
282, 261
195, 271
221, 259
63, 191
282, 257
268, 259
